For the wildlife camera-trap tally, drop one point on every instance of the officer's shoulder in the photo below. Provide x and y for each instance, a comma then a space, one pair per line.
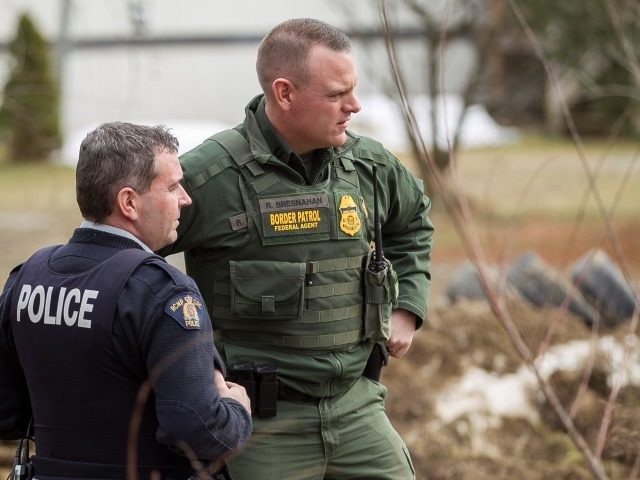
371, 149
177, 293
181, 299
155, 270
205, 161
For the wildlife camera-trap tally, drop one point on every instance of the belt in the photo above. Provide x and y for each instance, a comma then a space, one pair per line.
47, 468
288, 394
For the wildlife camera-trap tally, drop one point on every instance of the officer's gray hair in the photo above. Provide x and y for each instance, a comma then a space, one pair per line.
284, 50
117, 155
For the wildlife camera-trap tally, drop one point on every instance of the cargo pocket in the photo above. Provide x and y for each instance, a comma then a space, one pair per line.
381, 295
268, 290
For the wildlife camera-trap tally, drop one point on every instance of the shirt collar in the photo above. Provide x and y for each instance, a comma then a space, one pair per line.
276, 145
114, 231
265, 141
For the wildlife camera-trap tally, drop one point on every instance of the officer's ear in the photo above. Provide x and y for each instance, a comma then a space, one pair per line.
127, 203
282, 90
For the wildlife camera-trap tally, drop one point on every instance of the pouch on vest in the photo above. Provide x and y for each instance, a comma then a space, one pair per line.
266, 289
380, 295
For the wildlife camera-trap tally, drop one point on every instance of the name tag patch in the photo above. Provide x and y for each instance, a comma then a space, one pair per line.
187, 309
295, 215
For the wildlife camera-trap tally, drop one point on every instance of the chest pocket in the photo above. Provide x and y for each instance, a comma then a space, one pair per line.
267, 290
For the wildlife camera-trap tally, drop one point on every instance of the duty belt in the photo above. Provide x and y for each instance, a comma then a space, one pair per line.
47, 468
288, 394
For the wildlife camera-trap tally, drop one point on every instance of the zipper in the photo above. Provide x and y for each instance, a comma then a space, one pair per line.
338, 369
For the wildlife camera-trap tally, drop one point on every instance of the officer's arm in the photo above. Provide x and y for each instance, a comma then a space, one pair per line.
15, 407
190, 410
407, 237
177, 347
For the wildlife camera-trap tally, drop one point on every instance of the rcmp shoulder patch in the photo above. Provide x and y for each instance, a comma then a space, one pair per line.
187, 309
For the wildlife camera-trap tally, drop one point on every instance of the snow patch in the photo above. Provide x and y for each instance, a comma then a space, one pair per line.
479, 393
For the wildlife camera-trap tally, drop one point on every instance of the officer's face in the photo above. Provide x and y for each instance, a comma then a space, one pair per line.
160, 206
321, 109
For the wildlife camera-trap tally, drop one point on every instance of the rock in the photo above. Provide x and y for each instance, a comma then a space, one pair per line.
464, 283
543, 286
604, 287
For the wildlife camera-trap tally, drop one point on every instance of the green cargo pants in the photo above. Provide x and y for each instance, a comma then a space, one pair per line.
349, 437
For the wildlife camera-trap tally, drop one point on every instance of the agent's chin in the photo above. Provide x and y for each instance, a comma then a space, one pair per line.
339, 140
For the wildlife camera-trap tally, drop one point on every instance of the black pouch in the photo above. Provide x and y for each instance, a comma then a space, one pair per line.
261, 384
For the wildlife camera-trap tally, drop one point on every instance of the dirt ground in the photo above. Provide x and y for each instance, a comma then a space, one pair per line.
461, 335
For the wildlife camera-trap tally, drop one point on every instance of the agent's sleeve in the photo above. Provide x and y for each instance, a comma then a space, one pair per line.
15, 406
176, 343
407, 234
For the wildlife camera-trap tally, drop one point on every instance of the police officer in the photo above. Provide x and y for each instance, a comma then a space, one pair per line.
105, 346
278, 239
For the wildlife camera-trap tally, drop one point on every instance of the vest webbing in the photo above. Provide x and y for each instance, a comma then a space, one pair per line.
349, 314
303, 342
319, 291
240, 152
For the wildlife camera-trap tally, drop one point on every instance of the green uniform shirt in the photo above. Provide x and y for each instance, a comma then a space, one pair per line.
216, 230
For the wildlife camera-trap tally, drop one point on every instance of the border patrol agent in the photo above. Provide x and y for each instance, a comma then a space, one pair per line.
107, 346
278, 239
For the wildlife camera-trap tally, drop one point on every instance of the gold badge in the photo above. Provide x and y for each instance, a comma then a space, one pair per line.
190, 313
349, 220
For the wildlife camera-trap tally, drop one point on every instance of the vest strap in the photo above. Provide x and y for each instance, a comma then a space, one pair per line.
317, 291
333, 289
302, 342
204, 176
235, 145
310, 316
334, 264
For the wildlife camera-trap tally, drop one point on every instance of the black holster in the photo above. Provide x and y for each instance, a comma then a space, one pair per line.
261, 384
378, 358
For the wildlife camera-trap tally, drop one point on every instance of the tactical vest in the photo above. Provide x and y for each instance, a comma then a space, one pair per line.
82, 403
297, 282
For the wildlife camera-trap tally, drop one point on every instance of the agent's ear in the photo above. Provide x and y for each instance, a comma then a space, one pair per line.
283, 91
127, 203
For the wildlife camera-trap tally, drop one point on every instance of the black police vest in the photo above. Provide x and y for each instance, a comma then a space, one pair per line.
83, 406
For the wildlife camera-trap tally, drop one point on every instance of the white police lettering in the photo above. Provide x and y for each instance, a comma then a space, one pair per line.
72, 306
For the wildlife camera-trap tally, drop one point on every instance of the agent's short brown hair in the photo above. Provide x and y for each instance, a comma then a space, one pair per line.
284, 50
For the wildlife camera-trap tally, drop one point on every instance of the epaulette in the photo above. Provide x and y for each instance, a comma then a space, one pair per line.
370, 149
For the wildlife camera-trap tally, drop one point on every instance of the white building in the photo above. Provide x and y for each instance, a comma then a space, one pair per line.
195, 86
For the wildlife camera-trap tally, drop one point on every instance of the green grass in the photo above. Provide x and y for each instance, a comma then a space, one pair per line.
37, 188
37, 208
537, 178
